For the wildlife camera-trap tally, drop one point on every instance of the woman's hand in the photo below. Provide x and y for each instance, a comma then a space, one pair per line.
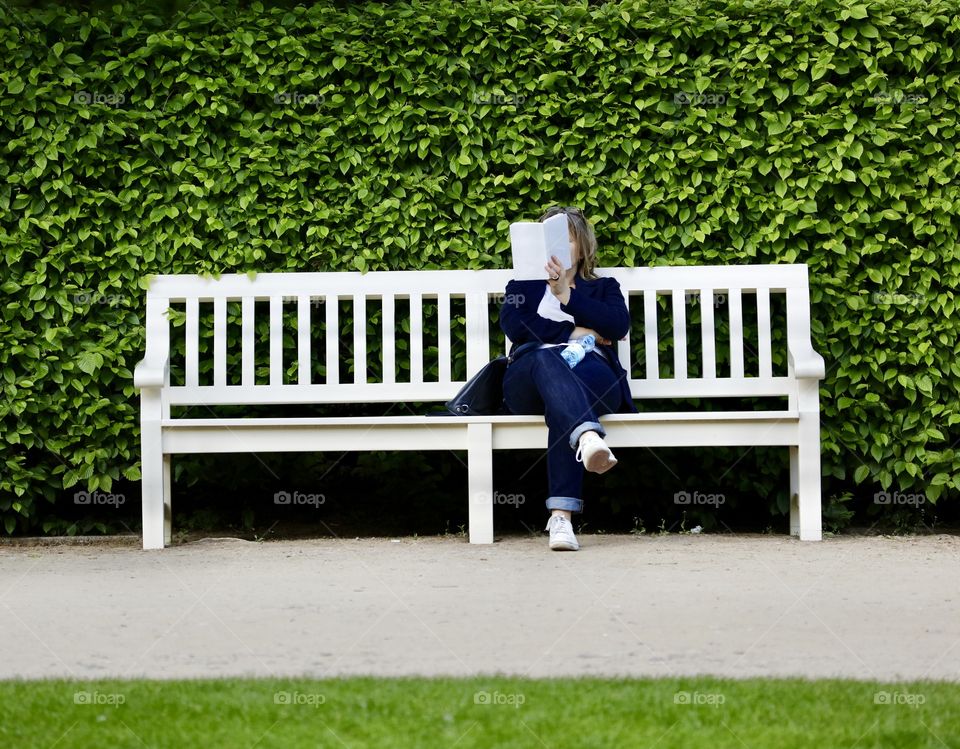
580, 332
557, 278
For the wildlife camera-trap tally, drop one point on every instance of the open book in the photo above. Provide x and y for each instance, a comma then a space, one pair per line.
533, 243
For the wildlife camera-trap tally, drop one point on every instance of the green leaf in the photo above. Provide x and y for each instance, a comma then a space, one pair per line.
89, 361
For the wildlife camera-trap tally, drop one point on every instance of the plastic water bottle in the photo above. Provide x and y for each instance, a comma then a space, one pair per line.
573, 354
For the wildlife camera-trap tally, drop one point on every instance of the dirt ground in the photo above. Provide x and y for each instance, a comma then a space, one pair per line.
883, 608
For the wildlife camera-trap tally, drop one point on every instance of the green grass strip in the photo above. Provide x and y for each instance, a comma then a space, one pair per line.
479, 712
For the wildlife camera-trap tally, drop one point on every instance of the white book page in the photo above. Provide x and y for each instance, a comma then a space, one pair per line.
557, 239
527, 242
533, 243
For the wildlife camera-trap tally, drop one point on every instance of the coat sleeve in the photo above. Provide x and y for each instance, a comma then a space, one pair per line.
519, 319
607, 314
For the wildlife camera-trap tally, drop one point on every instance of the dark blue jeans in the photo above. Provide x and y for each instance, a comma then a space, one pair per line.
541, 382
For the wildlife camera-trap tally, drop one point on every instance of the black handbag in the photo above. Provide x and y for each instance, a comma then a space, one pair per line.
482, 395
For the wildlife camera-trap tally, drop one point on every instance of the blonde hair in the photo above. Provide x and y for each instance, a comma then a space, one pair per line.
583, 233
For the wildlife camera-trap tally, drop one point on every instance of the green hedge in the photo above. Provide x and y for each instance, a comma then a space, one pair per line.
369, 136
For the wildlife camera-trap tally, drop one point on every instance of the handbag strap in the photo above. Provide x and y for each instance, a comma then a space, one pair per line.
522, 349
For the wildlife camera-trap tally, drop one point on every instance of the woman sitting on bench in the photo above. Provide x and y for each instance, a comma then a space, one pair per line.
571, 304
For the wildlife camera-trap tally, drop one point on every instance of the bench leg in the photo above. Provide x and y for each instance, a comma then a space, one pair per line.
805, 514
480, 482
152, 471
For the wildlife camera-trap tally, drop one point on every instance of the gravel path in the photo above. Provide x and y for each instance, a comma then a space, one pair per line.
869, 608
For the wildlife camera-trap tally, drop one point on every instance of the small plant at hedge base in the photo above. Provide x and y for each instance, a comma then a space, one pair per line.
836, 514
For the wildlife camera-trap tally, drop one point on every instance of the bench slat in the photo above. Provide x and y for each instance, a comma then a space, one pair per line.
438, 391
178, 288
359, 338
679, 299
623, 347
443, 335
452, 434
414, 419
650, 343
478, 333
763, 327
332, 310
707, 334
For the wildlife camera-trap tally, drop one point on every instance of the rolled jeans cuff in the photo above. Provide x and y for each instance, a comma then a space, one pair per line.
565, 503
587, 426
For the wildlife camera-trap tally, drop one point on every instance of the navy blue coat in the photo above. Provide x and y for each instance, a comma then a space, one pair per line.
596, 303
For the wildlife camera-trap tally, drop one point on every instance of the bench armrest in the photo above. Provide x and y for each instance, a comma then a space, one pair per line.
151, 372
806, 362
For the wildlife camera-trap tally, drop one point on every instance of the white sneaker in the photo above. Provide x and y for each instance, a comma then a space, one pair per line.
593, 452
561, 534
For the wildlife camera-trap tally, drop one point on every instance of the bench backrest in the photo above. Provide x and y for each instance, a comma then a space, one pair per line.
261, 309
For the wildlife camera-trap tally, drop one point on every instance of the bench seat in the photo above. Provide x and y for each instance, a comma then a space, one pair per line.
308, 434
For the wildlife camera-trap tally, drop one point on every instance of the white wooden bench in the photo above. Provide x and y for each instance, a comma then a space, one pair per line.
745, 288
